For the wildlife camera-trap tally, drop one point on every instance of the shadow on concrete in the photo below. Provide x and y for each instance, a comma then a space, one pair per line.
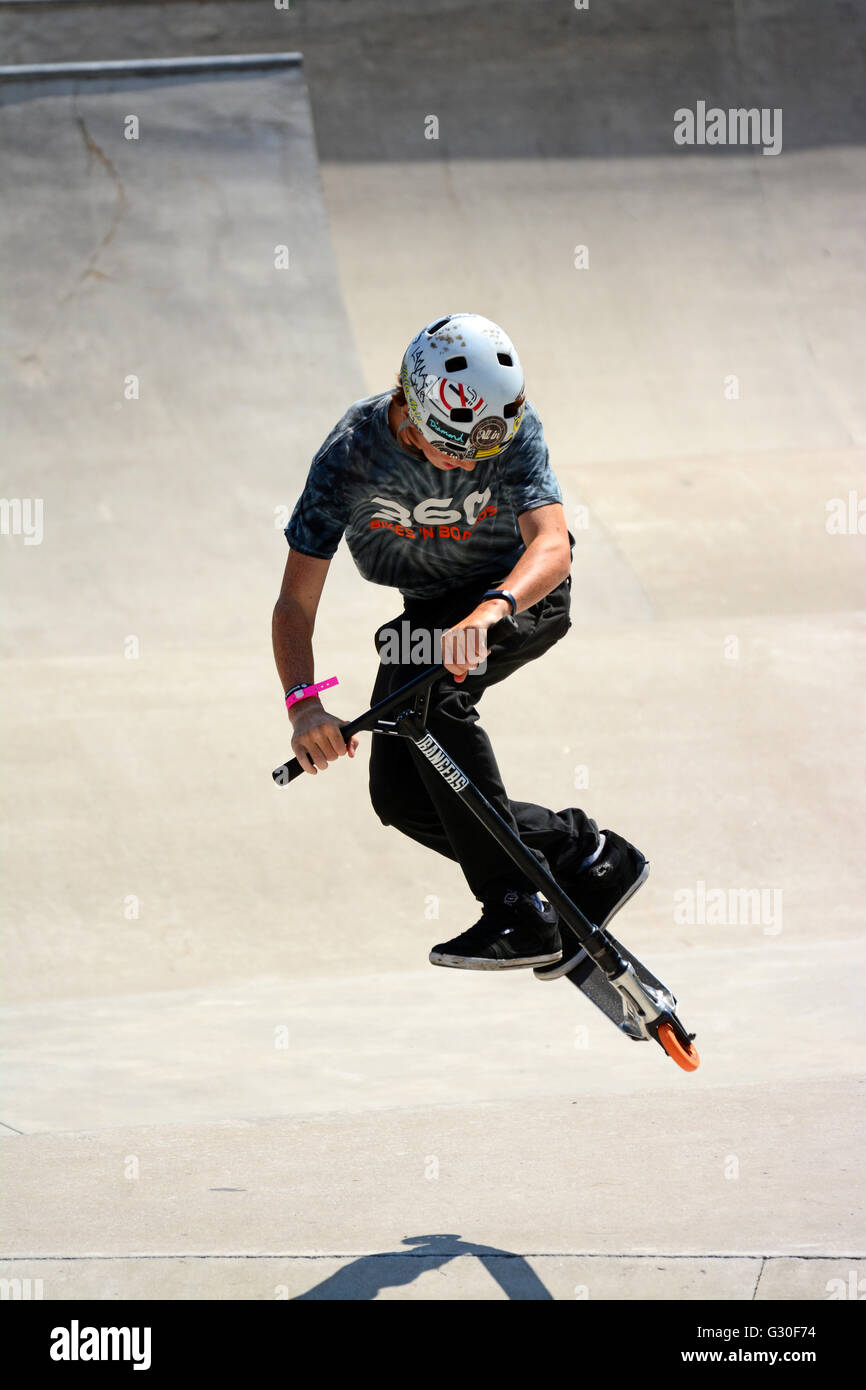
363, 1279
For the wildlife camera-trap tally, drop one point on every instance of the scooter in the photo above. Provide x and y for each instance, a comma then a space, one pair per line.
610, 976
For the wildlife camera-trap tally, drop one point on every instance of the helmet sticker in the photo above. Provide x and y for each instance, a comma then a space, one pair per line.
422, 379
462, 396
489, 433
410, 396
449, 432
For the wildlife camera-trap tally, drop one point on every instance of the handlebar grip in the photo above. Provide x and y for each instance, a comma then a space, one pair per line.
288, 772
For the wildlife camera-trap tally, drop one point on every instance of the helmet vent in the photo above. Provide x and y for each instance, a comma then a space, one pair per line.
511, 410
455, 364
505, 359
440, 323
461, 414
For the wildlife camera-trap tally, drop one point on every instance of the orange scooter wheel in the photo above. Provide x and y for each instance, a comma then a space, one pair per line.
686, 1057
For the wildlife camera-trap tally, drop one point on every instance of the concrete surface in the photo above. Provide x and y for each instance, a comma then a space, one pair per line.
228, 1071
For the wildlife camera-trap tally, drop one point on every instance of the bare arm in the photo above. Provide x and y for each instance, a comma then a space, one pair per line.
545, 562
295, 617
316, 740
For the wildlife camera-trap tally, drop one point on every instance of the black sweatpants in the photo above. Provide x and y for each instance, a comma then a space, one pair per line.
409, 794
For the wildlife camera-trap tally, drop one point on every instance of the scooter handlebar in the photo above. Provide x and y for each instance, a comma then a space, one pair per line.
496, 634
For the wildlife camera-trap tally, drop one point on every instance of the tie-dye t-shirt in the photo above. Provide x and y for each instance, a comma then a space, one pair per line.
407, 523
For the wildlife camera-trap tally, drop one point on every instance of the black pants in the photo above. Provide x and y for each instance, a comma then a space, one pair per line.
409, 794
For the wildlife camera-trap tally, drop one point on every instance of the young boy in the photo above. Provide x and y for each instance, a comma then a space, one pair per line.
444, 490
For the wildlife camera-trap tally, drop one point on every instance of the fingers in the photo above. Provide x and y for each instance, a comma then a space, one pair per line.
352, 743
311, 752
454, 653
331, 741
463, 649
304, 759
323, 750
317, 747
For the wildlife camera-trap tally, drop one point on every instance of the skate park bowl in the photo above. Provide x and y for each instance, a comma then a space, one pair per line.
227, 1067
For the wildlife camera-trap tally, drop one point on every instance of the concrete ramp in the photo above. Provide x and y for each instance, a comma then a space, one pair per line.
164, 381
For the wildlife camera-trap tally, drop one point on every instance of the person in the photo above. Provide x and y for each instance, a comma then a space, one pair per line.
444, 490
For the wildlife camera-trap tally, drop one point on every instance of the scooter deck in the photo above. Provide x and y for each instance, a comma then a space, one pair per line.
595, 985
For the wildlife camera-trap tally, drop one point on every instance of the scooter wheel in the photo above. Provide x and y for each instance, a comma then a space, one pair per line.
686, 1057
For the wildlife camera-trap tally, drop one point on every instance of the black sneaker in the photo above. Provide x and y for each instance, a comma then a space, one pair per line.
515, 931
599, 890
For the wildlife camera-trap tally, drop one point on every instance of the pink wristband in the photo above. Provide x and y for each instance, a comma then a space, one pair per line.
303, 692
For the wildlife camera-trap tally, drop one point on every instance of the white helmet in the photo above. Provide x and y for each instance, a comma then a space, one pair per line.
464, 386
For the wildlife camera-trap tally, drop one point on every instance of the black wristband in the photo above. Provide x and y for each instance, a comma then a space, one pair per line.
503, 593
